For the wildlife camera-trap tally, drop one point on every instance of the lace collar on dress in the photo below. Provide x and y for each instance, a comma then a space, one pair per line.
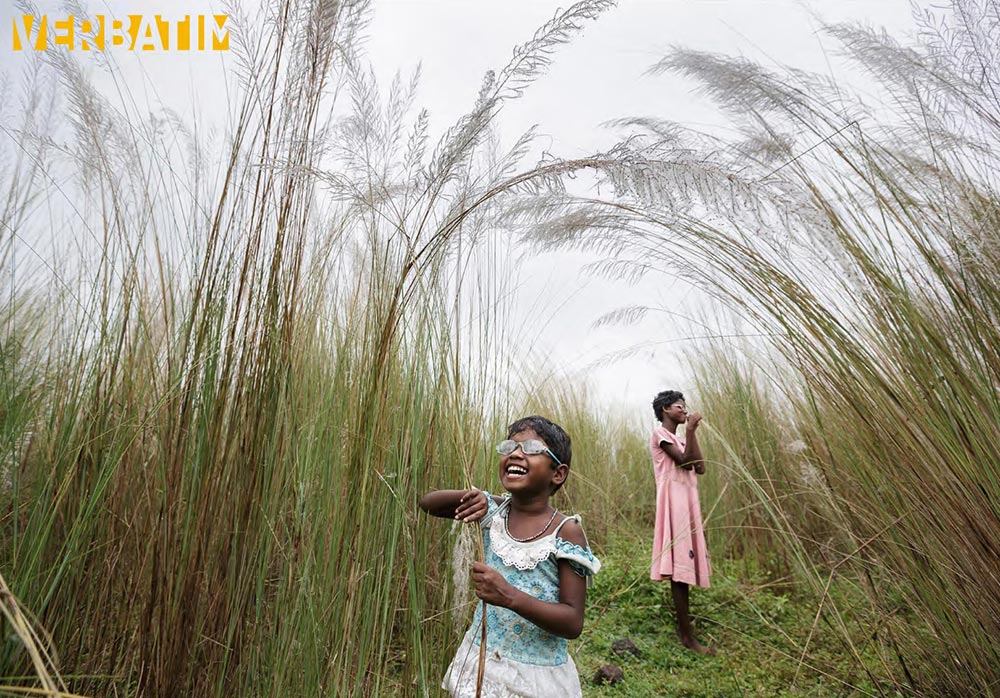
523, 556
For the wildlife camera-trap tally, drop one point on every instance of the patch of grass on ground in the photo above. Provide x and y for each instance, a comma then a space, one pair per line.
759, 629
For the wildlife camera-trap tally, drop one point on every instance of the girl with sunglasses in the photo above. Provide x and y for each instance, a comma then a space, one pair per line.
534, 581
679, 552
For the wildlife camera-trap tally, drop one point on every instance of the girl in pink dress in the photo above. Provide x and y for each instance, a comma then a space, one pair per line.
679, 552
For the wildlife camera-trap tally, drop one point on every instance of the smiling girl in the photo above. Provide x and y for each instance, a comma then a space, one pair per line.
535, 577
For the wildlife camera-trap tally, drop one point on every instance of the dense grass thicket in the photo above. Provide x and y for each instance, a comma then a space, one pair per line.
858, 435
217, 416
217, 420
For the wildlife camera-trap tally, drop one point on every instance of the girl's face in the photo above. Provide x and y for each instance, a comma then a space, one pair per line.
676, 412
529, 474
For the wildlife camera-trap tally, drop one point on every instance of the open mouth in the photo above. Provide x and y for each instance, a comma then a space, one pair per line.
516, 471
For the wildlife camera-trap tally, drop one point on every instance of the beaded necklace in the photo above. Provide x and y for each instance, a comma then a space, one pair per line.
529, 538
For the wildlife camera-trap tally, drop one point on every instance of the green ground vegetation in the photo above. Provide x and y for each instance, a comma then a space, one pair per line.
769, 638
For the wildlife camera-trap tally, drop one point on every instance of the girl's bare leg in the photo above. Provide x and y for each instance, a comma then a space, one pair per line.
679, 590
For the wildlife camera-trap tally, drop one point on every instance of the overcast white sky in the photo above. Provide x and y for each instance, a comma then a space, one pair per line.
599, 76
596, 78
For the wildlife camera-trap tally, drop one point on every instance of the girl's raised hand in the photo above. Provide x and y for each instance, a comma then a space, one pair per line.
471, 507
491, 587
693, 421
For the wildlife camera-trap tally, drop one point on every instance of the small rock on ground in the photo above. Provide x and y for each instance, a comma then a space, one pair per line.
625, 646
609, 673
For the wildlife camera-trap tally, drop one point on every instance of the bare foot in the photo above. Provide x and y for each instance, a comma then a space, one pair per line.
693, 645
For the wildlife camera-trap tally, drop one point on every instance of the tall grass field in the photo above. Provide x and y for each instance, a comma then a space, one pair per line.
232, 362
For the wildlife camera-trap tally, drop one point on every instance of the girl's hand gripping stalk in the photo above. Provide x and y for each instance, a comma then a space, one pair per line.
471, 507
491, 587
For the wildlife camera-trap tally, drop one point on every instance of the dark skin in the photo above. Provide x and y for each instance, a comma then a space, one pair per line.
690, 458
529, 513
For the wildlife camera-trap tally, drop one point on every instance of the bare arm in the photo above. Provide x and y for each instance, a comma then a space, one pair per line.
691, 456
465, 505
563, 618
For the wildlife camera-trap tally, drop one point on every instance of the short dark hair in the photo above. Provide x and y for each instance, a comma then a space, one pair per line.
554, 436
665, 399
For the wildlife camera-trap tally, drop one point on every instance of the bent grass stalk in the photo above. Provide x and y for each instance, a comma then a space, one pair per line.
41, 661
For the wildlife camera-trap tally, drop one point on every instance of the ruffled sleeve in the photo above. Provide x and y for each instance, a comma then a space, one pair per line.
580, 559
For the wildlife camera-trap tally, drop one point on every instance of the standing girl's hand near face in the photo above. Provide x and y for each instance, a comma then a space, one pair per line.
693, 420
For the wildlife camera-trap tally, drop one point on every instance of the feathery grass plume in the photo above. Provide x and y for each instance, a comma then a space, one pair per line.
626, 315
462, 557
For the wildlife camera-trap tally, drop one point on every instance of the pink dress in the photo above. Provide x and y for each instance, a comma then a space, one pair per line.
679, 551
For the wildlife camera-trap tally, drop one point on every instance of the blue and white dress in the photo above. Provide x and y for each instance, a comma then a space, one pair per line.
522, 660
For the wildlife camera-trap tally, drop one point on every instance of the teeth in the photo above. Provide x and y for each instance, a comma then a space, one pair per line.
515, 470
